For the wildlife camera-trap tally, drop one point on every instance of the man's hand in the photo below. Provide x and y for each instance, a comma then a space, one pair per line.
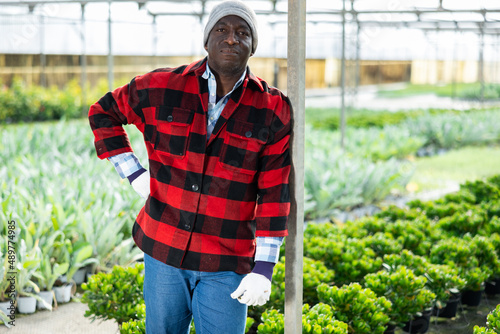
254, 289
141, 184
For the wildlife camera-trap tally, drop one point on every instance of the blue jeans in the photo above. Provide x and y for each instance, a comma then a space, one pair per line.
174, 296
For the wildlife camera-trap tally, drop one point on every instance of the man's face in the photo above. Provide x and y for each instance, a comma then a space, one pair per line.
229, 45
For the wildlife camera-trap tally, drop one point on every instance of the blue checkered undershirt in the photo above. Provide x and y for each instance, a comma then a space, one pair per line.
127, 164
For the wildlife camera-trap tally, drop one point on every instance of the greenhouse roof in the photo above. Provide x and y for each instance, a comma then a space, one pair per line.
393, 29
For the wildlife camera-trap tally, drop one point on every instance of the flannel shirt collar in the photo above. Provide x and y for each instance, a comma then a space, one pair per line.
208, 74
199, 67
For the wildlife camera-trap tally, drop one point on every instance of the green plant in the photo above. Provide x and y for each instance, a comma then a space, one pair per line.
461, 223
359, 308
475, 278
444, 281
483, 191
493, 319
80, 257
405, 290
492, 323
316, 320
382, 243
393, 213
116, 295
137, 324
483, 330
314, 273
49, 272
412, 235
461, 253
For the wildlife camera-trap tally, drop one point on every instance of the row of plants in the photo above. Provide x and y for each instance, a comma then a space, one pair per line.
376, 162
372, 275
468, 91
27, 103
61, 208
408, 262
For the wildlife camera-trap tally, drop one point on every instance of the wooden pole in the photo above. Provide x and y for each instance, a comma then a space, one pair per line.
296, 93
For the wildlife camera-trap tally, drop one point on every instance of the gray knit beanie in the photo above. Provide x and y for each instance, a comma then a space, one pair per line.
233, 7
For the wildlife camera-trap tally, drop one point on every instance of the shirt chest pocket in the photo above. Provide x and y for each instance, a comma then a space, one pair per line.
172, 130
243, 143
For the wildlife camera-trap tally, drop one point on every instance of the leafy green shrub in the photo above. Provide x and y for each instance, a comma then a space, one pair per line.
364, 227
492, 323
359, 118
360, 308
116, 295
382, 243
348, 257
442, 280
323, 230
463, 255
483, 191
137, 325
405, 290
393, 213
461, 223
318, 319
412, 235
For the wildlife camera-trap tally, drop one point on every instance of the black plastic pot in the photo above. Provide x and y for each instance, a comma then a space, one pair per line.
419, 324
492, 287
472, 298
450, 310
390, 329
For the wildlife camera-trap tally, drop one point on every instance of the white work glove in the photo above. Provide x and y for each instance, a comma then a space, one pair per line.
141, 184
254, 289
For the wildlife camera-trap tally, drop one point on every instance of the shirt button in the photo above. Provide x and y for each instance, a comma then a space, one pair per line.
170, 118
212, 118
248, 134
195, 187
187, 226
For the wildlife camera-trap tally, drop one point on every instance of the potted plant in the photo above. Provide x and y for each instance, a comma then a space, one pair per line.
446, 283
7, 307
405, 290
80, 256
318, 319
361, 309
27, 265
47, 275
115, 295
473, 290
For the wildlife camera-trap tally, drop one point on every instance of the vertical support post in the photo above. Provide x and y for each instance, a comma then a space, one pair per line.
342, 81
43, 58
358, 55
481, 64
296, 92
155, 42
83, 76
110, 51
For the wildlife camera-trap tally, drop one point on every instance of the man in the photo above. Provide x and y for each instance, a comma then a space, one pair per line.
217, 195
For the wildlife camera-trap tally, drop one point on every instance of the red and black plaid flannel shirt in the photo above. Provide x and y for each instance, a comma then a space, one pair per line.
209, 199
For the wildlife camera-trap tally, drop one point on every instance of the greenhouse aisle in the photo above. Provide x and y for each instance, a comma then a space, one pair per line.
68, 318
